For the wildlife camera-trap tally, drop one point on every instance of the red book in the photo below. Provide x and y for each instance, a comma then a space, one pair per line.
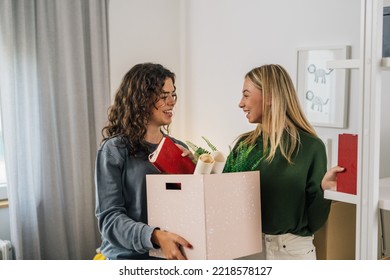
347, 158
167, 158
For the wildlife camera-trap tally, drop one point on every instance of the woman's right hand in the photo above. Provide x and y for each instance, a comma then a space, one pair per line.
170, 244
186, 153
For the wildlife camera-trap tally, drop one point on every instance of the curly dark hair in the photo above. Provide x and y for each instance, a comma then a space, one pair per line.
129, 114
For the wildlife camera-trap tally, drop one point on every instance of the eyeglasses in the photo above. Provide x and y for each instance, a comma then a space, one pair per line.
164, 96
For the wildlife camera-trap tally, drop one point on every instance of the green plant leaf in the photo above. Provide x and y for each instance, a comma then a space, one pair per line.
244, 158
212, 147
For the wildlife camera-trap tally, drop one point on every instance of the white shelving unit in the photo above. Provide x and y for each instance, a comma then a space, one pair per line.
385, 63
384, 194
370, 195
339, 196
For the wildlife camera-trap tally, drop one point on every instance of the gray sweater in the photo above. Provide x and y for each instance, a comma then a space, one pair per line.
121, 207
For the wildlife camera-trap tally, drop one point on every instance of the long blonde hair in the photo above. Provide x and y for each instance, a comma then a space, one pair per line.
283, 116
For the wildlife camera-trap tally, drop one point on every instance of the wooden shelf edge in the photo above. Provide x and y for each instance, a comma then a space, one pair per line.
384, 193
339, 196
385, 63
384, 204
4, 203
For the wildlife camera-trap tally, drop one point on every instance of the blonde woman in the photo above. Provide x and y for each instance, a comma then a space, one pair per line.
292, 162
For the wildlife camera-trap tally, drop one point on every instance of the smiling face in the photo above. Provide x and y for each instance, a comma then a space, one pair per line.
252, 102
162, 112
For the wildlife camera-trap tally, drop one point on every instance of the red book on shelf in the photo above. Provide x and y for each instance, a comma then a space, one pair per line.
167, 158
347, 158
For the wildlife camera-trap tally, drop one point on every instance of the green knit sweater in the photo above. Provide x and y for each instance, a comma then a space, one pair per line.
292, 200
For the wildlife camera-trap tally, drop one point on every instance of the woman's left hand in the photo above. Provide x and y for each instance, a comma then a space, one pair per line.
329, 182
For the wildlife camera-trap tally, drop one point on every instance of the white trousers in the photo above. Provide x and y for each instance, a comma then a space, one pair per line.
289, 247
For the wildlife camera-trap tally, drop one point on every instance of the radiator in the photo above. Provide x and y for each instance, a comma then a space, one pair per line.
5, 250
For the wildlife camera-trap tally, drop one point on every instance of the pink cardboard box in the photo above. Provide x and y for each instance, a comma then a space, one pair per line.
219, 214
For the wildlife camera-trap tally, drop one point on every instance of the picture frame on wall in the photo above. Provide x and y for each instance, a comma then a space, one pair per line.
323, 92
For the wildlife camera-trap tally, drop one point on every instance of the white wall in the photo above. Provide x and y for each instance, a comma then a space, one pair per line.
145, 31
217, 42
226, 39
142, 31
212, 44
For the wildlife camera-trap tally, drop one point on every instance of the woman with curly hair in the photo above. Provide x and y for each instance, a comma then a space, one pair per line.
142, 108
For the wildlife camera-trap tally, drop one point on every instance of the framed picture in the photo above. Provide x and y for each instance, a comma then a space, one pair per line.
323, 92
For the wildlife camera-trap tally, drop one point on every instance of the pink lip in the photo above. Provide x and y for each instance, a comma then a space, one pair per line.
170, 113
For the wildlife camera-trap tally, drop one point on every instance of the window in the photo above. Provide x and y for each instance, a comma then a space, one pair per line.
3, 177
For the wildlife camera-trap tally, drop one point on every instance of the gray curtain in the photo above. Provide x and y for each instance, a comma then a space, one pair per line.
54, 93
